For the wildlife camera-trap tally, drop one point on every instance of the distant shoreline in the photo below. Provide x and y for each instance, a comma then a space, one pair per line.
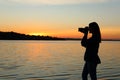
52, 40
18, 36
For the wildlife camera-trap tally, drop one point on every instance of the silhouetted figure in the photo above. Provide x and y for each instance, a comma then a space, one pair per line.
91, 54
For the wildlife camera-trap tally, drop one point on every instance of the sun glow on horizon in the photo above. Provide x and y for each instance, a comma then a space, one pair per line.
38, 34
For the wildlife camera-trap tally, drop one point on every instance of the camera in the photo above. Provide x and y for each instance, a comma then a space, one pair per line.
83, 30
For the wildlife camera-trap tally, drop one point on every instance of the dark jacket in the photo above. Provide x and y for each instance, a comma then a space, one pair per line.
91, 53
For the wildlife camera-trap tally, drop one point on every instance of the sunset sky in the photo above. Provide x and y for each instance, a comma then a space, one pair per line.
60, 18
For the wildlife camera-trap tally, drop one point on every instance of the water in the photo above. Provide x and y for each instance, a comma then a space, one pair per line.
54, 60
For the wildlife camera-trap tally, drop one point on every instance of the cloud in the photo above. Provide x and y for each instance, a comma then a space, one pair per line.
55, 2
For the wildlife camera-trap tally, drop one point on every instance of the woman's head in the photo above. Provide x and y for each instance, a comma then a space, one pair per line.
95, 30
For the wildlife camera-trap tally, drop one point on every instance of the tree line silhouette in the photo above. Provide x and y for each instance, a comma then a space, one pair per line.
18, 36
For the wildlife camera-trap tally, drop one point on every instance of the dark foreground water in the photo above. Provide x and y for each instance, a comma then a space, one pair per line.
54, 60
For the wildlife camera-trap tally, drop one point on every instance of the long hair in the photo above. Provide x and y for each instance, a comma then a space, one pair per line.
96, 31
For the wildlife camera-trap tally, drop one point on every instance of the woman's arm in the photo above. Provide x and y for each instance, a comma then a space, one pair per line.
84, 39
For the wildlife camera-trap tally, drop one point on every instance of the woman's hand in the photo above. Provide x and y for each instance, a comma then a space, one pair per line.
86, 30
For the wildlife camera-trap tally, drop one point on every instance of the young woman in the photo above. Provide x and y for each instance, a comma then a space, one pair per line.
91, 54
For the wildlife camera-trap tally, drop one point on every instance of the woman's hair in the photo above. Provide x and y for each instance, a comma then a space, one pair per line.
96, 31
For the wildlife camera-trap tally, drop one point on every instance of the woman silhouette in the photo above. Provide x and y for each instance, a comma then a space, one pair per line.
91, 54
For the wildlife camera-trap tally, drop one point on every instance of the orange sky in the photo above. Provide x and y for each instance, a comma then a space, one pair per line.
107, 33
111, 33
